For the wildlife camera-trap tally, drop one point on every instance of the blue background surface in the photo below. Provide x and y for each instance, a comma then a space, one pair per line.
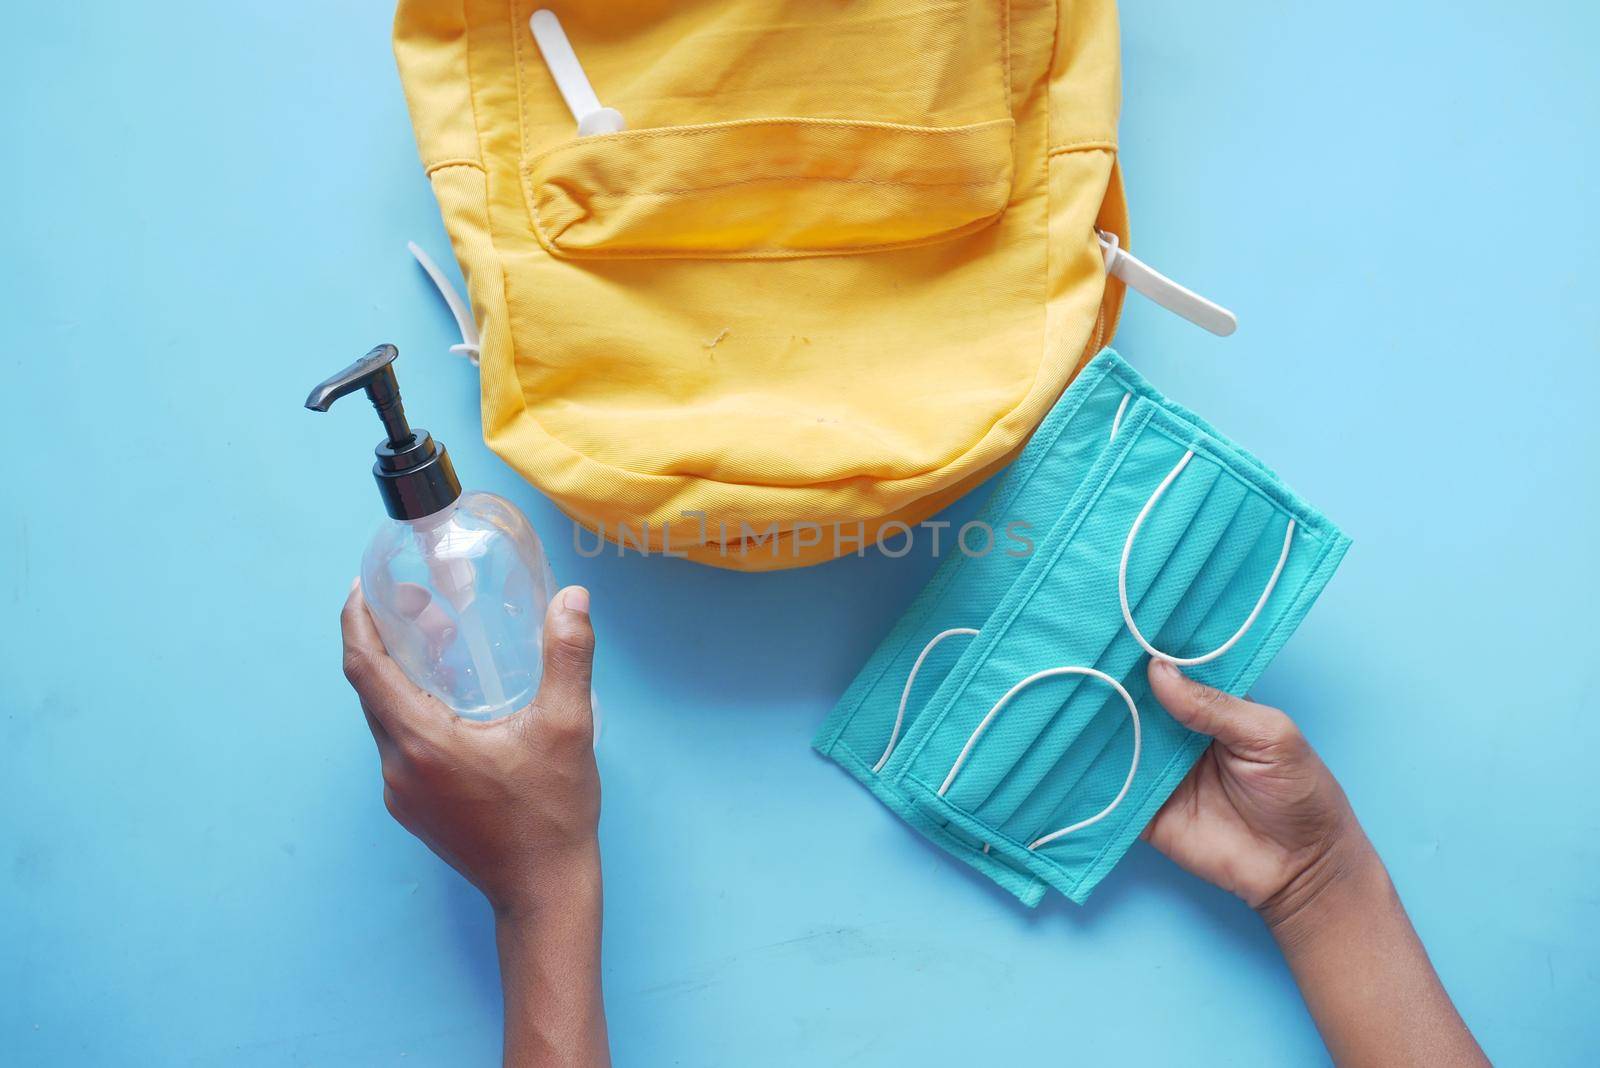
207, 206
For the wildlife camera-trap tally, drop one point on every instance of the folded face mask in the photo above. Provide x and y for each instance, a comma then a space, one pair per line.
883, 702
1040, 755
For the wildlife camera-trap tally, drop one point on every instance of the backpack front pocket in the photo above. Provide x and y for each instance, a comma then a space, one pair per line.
768, 188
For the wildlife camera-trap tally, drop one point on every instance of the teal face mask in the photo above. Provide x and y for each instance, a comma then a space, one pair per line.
887, 695
1032, 749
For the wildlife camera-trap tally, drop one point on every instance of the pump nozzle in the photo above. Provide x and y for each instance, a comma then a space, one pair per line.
414, 472
373, 374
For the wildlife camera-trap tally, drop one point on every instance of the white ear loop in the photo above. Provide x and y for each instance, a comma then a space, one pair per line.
905, 694
1122, 581
1116, 422
1133, 765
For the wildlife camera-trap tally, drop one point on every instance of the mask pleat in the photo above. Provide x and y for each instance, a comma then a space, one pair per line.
1041, 722
1219, 594
1233, 601
1033, 789
1100, 755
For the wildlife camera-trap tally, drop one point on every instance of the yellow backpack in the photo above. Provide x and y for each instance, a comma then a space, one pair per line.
831, 275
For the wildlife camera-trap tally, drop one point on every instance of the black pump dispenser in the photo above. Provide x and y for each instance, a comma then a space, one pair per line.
414, 472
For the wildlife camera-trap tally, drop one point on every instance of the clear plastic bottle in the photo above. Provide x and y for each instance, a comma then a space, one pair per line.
456, 582
459, 598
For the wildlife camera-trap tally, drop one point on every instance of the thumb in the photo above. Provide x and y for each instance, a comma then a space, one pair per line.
1248, 729
563, 698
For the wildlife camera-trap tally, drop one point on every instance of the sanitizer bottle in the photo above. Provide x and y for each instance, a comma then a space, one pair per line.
456, 582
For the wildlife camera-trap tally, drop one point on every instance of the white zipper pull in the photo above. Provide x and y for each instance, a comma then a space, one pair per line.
570, 79
1164, 291
469, 346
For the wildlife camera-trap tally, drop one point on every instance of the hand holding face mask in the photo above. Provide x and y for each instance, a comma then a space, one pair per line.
1262, 817
1006, 716
1259, 814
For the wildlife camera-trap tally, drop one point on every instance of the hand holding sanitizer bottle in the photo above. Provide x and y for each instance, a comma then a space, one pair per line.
457, 582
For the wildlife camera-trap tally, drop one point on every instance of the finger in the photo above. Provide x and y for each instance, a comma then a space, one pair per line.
1242, 726
423, 612
386, 748
386, 694
563, 699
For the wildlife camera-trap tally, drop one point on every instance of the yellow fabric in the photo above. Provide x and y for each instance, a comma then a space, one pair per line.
833, 274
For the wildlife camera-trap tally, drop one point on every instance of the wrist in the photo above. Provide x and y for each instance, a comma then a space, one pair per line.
1344, 880
561, 885
548, 934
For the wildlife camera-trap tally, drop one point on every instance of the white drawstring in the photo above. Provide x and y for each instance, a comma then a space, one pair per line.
905, 694
1122, 581
1133, 765
458, 307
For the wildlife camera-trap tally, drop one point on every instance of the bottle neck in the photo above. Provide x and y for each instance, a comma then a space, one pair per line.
432, 520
